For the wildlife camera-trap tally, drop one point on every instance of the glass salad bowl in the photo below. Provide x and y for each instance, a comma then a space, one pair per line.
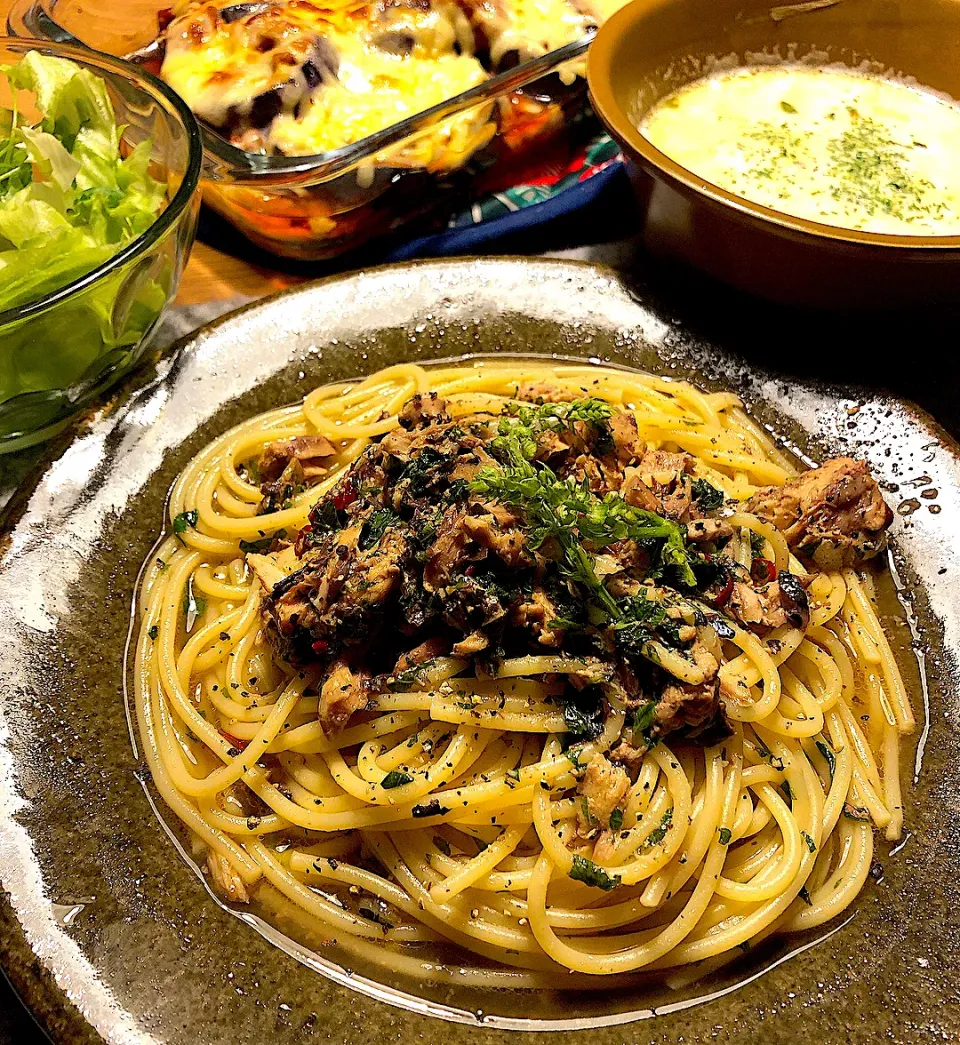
78, 302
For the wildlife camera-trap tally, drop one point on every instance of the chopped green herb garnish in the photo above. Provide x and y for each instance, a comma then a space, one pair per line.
584, 721
707, 496
193, 606
616, 819
829, 757
413, 675
640, 617
643, 717
589, 873
262, 545
518, 431
427, 809
420, 473
764, 752
375, 527
805, 896
154, 631
185, 519
811, 844
573, 753
395, 778
658, 834
840, 167
725, 835
871, 173
567, 514
585, 809
326, 517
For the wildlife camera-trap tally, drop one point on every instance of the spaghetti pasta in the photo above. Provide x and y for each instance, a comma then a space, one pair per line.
452, 797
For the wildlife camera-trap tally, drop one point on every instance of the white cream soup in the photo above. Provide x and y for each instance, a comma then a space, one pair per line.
836, 147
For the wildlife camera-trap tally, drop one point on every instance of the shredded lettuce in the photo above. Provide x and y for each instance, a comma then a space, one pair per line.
68, 199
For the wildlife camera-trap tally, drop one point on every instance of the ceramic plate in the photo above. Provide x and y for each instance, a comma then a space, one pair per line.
106, 927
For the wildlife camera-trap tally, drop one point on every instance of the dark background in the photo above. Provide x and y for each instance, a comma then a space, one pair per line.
16, 1024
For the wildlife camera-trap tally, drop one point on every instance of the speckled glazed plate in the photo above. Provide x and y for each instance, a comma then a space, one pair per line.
106, 928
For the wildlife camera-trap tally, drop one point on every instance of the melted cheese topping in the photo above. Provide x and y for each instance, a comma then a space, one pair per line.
375, 90
301, 77
437, 31
215, 71
530, 27
835, 147
338, 75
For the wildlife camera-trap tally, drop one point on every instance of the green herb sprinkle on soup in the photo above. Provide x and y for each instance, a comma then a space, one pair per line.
841, 148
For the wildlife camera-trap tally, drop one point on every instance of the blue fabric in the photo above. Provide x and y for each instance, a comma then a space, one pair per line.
466, 240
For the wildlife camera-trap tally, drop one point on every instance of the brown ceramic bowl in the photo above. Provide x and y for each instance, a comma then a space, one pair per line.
652, 47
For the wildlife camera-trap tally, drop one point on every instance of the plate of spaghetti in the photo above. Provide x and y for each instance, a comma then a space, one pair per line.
483, 668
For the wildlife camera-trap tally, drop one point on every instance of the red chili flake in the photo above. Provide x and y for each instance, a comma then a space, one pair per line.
723, 596
763, 571
320, 646
303, 541
347, 494
470, 570
236, 741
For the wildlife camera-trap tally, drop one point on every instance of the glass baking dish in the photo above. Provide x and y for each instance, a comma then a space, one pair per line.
316, 207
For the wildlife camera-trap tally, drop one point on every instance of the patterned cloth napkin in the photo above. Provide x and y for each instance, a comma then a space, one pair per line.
550, 172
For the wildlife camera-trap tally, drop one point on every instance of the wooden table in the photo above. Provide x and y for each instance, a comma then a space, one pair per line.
211, 275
